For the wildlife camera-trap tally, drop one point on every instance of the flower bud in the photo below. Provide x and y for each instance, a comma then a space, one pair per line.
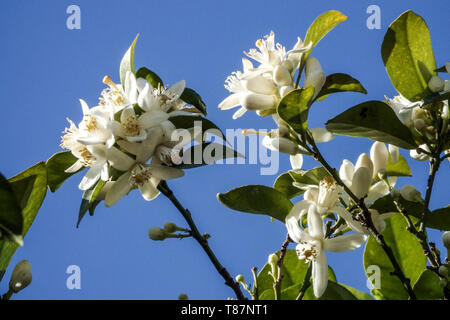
285, 90
410, 193
183, 296
282, 76
379, 156
170, 227
157, 234
21, 276
273, 259
321, 134
394, 152
283, 131
296, 161
436, 84
361, 181
283, 145
443, 270
446, 239
364, 161
255, 101
314, 75
240, 278
259, 84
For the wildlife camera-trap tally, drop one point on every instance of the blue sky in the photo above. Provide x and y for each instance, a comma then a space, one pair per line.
46, 68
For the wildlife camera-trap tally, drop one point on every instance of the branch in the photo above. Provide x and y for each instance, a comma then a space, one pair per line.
306, 283
277, 283
364, 217
165, 190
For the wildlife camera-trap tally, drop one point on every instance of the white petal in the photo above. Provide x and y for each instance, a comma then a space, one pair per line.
316, 227
379, 156
393, 150
361, 182
296, 161
377, 191
141, 136
256, 101
177, 89
321, 134
259, 84
90, 178
166, 173
84, 106
231, 101
126, 114
75, 167
148, 191
148, 146
118, 190
320, 274
239, 113
118, 159
344, 243
346, 172
293, 218
344, 214
130, 147
152, 118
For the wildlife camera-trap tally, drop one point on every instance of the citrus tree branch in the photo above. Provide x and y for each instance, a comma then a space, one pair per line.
166, 191
277, 283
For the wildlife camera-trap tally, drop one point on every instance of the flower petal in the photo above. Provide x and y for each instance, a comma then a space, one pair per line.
118, 190
149, 191
321, 134
296, 161
166, 173
231, 101
316, 227
344, 243
90, 178
320, 274
118, 159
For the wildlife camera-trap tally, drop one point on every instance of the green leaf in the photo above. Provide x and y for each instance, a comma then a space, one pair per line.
206, 153
150, 76
11, 219
188, 122
427, 287
56, 167
193, 98
438, 219
257, 199
320, 27
399, 168
294, 272
334, 291
31, 202
294, 108
309, 177
407, 251
408, 56
127, 63
340, 82
284, 185
374, 120
357, 294
89, 200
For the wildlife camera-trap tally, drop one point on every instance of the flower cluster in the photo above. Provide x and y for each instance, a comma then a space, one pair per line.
261, 88
117, 138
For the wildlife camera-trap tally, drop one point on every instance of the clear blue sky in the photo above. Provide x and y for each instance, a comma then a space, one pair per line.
46, 68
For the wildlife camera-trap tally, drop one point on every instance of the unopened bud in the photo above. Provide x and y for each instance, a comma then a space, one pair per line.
240, 278
410, 193
361, 182
21, 276
446, 239
273, 259
436, 84
379, 155
394, 152
183, 296
157, 234
314, 75
170, 227
443, 270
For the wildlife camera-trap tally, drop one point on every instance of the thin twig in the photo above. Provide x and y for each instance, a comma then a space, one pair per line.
277, 283
165, 190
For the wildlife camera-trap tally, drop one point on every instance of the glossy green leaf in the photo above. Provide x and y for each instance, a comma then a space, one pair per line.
407, 251
294, 272
89, 200
198, 122
193, 98
11, 219
357, 294
374, 120
340, 82
309, 177
127, 63
438, 219
30, 207
206, 153
320, 27
150, 76
284, 184
294, 108
56, 167
427, 287
408, 55
399, 168
257, 199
